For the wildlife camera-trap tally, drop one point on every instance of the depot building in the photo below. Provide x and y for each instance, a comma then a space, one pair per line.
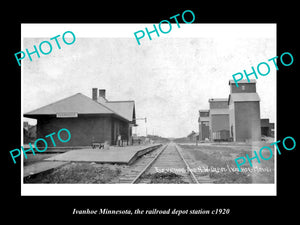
88, 119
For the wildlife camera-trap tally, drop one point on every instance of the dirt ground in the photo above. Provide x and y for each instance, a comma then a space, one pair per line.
219, 160
164, 178
79, 173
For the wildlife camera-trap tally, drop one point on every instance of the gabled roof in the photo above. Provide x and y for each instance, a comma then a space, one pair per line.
76, 103
123, 108
193, 133
82, 104
204, 110
243, 97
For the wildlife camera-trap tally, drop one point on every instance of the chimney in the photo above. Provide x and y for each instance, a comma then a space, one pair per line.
94, 94
102, 93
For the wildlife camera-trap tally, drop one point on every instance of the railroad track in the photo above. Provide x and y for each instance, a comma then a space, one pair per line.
168, 159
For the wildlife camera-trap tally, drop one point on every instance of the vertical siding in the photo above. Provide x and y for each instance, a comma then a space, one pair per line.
204, 131
218, 105
219, 122
83, 129
248, 88
247, 121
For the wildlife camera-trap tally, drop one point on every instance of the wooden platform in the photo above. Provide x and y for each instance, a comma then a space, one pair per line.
41, 167
120, 155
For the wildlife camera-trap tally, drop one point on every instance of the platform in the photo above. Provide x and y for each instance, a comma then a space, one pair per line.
119, 155
41, 167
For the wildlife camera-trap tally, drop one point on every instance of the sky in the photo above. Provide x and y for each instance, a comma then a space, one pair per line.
170, 78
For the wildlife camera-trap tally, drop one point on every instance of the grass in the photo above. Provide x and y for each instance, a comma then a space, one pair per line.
77, 173
223, 156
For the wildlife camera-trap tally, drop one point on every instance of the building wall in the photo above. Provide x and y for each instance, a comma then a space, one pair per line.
120, 127
265, 127
83, 129
218, 105
219, 122
203, 130
266, 131
204, 114
247, 121
219, 115
248, 88
232, 121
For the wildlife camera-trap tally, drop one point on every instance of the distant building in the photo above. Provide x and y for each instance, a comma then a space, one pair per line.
267, 128
244, 111
88, 119
204, 122
218, 117
193, 136
29, 132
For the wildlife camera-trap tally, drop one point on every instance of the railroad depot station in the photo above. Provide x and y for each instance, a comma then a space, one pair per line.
88, 119
97, 120
236, 118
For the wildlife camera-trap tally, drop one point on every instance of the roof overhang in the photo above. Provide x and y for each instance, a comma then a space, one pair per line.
244, 81
243, 97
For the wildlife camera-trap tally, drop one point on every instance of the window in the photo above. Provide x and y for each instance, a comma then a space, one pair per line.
243, 87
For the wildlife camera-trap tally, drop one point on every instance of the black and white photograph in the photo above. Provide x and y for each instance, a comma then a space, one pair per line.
146, 111
102, 109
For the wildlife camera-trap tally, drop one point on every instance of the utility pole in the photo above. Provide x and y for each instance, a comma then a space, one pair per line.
145, 119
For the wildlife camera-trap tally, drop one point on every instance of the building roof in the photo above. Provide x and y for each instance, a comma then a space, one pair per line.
204, 110
191, 134
218, 100
243, 97
124, 108
82, 104
265, 120
242, 81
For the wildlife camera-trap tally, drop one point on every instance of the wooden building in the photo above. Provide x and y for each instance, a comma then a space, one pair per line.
204, 123
267, 128
244, 111
218, 117
88, 119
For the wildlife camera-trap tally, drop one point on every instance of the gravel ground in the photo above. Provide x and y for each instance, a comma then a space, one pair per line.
222, 167
164, 178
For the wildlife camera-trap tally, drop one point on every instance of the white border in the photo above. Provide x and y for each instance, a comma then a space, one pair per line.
127, 30
149, 189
